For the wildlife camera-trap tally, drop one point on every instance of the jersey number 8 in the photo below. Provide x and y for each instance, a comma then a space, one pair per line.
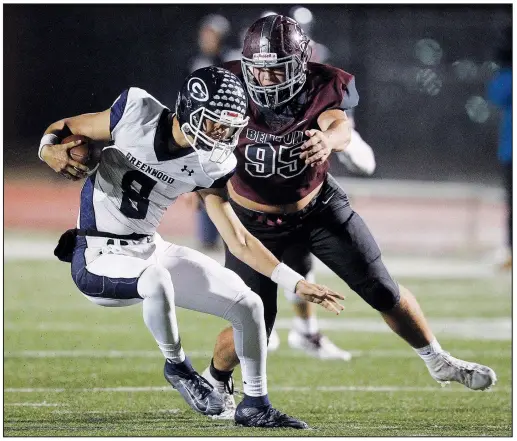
135, 203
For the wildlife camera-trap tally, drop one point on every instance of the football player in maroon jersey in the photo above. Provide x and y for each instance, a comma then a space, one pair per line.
283, 194
304, 335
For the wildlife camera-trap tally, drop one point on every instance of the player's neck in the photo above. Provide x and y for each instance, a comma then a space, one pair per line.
177, 134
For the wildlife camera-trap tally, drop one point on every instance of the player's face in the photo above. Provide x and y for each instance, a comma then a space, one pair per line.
218, 131
269, 76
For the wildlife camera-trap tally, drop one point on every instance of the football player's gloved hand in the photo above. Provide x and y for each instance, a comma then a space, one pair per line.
58, 159
316, 149
321, 295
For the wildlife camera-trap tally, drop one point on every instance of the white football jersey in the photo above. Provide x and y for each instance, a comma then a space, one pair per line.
138, 177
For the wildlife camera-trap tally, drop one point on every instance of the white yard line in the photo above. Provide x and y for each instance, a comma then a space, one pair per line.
43, 404
95, 354
116, 412
436, 389
374, 353
73, 327
471, 328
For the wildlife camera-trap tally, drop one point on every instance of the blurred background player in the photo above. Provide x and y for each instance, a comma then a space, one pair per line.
212, 33
500, 93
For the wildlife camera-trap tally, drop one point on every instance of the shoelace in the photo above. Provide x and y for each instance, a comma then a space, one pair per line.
460, 363
199, 384
315, 339
272, 415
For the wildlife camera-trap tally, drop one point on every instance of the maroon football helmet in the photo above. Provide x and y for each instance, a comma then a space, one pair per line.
275, 42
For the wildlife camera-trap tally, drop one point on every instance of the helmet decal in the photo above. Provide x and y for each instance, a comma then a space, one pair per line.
197, 89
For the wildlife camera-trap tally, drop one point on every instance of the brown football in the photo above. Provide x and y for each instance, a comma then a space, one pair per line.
86, 153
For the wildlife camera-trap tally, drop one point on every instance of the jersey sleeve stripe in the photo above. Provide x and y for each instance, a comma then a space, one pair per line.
117, 109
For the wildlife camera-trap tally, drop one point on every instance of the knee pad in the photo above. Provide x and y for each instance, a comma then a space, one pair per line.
247, 307
153, 281
381, 293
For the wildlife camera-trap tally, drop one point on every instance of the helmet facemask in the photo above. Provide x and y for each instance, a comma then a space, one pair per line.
293, 67
226, 125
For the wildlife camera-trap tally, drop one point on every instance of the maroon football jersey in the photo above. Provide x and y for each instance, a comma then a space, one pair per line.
269, 168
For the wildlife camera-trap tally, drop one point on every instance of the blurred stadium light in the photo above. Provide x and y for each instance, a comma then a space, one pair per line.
302, 15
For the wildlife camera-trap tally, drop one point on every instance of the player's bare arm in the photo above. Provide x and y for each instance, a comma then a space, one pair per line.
95, 126
250, 250
333, 136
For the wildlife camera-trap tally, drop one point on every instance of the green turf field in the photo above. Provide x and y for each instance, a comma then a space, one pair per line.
72, 368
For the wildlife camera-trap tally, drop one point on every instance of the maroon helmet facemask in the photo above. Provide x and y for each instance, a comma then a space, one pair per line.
275, 42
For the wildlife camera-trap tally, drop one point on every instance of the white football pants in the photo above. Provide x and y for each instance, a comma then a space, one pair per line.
171, 275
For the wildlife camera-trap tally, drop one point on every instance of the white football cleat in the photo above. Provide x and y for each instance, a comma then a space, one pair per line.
274, 341
226, 390
229, 408
444, 368
317, 345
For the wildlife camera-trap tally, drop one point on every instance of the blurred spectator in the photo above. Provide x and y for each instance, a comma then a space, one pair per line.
213, 30
500, 93
212, 33
235, 53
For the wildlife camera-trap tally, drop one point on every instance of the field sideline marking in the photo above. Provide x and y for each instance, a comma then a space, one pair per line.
437, 389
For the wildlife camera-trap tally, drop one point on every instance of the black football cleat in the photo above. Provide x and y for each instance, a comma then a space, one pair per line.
267, 417
197, 392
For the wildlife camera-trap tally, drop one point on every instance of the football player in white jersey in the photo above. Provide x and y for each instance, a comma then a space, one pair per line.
118, 259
